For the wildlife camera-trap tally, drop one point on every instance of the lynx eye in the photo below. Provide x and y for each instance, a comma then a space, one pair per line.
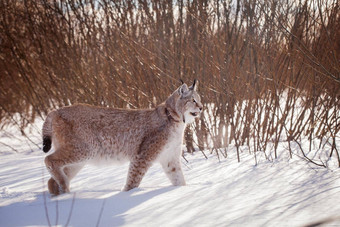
194, 101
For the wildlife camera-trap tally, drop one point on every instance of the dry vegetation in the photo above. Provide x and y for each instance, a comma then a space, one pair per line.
268, 70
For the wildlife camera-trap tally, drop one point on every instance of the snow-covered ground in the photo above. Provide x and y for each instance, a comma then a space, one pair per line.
285, 192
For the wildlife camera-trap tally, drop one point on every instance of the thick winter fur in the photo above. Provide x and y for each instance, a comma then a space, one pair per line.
83, 134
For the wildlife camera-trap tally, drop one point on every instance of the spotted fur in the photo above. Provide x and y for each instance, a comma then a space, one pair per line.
83, 134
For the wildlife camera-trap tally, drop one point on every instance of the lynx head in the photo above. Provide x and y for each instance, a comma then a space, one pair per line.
185, 103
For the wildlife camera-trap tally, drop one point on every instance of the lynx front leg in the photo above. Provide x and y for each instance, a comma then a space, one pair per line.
174, 172
148, 151
137, 170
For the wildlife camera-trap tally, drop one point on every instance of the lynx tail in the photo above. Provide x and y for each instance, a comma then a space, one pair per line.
47, 132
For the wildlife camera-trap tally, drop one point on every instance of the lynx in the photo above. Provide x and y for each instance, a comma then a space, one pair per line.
84, 134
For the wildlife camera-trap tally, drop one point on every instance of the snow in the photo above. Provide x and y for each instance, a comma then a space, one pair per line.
282, 192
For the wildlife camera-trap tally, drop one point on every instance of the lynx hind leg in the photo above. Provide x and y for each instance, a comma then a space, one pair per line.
70, 172
62, 170
53, 187
174, 172
55, 167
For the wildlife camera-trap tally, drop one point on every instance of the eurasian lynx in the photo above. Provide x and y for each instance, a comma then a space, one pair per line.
83, 134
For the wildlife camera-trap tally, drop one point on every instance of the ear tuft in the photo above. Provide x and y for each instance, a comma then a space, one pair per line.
194, 85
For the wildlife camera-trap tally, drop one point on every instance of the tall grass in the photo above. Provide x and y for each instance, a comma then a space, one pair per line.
268, 70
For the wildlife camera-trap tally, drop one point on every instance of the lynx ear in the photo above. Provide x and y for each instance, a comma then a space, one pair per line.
193, 87
182, 89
